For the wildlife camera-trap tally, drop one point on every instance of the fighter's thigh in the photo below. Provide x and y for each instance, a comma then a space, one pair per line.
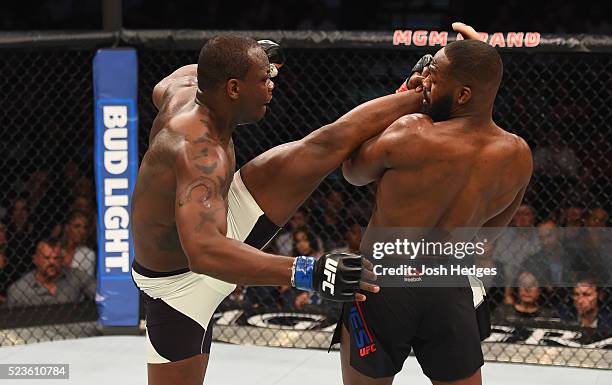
190, 371
474, 379
282, 178
350, 376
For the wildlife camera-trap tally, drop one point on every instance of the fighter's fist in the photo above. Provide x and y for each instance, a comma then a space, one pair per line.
335, 276
275, 54
415, 80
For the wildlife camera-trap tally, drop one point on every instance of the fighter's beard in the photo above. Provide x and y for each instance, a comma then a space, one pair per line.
441, 109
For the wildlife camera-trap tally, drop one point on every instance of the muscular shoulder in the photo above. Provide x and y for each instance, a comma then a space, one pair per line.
174, 91
408, 128
411, 130
412, 122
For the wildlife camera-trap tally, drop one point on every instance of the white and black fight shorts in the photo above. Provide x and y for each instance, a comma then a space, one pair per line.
180, 304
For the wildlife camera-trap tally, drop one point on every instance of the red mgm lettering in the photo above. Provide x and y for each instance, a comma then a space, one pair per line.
422, 38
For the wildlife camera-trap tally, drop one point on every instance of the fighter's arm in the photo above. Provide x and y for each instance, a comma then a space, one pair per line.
201, 223
185, 76
364, 122
378, 154
369, 162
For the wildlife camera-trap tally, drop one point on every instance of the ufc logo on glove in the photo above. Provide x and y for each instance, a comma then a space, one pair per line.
330, 275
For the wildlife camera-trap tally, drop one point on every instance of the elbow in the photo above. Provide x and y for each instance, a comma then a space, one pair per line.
158, 93
349, 174
199, 258
198, 265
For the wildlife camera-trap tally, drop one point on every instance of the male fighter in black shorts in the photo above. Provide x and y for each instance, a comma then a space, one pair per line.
451, 167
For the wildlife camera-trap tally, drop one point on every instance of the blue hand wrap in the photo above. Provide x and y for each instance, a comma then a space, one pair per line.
304, 273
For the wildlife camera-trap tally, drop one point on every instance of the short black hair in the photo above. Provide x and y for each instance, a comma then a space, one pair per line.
74, 215
586, 278
49, 241
475, 62
222, 58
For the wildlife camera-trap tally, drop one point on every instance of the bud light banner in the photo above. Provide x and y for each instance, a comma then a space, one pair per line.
115, 73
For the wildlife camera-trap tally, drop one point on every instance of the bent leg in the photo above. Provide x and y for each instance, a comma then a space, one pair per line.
190, 371
282, 178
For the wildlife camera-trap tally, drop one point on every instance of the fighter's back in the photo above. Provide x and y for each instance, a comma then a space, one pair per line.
449, 174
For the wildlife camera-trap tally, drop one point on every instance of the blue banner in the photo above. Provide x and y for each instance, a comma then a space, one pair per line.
115, 76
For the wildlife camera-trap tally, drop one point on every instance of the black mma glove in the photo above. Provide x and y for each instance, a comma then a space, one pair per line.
275, 55
334, 276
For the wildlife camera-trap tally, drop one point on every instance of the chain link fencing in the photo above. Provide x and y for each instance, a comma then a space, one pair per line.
47, 234
557, 99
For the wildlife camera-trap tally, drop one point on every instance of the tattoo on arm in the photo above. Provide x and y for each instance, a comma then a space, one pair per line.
204, 138
206, 217
207, 169
211, 188
203, 153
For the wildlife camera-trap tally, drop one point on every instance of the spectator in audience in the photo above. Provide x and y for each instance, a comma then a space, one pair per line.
516, 244
572, 215
86, 206
552, 263
352, 237
21, 235
524, 216
527, 305
305, 244
76, 254
284, 242
586, 310
597, 217
51, 282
